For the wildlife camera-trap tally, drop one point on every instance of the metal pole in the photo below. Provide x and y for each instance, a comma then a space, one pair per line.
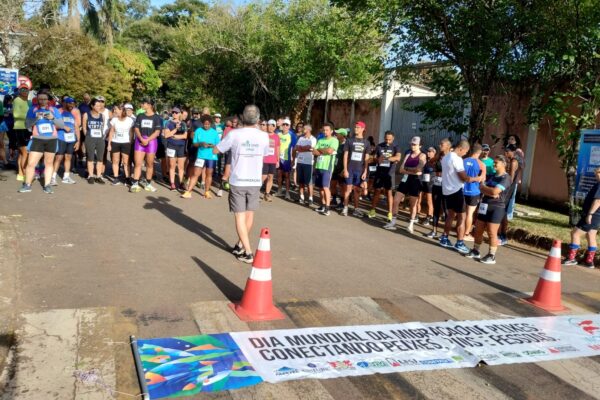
139, 369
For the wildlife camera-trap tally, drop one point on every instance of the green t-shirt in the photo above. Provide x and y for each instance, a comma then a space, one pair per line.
20, 108
327, 161
489, 166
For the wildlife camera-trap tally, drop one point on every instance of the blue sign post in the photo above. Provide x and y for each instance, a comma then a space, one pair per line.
9, 80
587, 162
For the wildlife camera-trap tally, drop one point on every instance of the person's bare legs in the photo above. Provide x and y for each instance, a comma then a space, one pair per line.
49, 167
149, 166
32, 160
172, 164
138, 156
22, 163
243, 226
469, 219
116, 160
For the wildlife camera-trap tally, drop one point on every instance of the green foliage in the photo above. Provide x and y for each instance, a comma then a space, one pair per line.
180, 12
136, 69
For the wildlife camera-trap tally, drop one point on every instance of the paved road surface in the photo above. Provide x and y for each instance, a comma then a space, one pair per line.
86, 267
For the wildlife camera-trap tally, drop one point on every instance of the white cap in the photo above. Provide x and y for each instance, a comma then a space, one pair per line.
416, 140
128, 106
272, 122
217, 115
286, 121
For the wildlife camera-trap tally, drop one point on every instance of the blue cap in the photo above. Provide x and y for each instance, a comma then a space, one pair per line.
69, 100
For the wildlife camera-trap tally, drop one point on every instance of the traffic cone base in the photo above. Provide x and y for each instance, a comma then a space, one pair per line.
271, 314
547, 294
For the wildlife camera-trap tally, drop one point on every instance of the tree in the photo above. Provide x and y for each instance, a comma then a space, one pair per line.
137, 70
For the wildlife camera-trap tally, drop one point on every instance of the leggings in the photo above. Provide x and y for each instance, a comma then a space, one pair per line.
438, 204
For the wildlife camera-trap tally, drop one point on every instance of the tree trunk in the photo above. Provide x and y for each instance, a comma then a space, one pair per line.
73, 16
571, 174
311, 103
477, 117
299, 108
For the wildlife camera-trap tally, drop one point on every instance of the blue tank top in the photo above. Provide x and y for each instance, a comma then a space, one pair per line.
95, 126
473, 170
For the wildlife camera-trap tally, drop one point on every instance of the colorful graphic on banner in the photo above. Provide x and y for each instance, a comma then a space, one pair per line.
587, 161
9, 79
175, 367
181, 366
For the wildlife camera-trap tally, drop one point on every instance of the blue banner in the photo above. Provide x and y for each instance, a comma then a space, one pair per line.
587, 162
9, 79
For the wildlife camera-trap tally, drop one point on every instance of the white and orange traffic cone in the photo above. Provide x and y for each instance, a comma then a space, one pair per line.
257, 301
547, 293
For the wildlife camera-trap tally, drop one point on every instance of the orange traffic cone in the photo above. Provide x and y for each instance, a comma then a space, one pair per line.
257, 301
548, 290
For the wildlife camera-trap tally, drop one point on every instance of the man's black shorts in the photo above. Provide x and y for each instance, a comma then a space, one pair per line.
455, 202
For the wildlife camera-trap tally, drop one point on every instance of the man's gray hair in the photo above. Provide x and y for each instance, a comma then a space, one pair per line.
251, 115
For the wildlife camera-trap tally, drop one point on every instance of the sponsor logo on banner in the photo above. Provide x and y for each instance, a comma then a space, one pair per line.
490, 357
284, 371
562, 349
313, 368
458, 358
394, 362
342, 365
534, 353
436, 361
588, 327
510, 354
373, 364
594, 346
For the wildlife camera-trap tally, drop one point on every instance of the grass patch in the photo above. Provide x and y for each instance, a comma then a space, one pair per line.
549, 224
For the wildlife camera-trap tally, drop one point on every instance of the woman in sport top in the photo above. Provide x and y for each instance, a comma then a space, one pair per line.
93, 129
205, 138
147, 129
427, 184
491, 211
436, 188
176, 134
119, 143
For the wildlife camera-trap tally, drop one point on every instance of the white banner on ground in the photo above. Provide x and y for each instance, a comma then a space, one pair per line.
332, 352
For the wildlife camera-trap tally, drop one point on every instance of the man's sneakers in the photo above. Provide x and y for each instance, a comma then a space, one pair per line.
100, 180
502, 240
390, 216
241, 254
445, 242
68, 180
372, 213
461, 248
390, 226
287, 196
91, 180
323, 210
301, 200
489, 259
150, 188
344, 212
48, 189
474, 254
25, 188
268, 197
53, 182
357, 213
432, 235
237, 250
220, 193
570, 261
135, 188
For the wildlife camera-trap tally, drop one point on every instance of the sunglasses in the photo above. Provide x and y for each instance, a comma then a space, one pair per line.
175, 112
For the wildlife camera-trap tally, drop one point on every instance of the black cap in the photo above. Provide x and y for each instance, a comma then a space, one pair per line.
485, 147
511, 147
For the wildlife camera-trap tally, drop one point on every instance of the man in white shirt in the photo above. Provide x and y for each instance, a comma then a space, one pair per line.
453, 179
248, 146
304, 169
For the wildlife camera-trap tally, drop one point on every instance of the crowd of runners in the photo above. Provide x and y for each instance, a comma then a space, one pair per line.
452, 186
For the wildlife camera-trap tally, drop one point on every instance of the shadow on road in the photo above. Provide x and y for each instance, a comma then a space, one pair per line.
495, 285
176, 215
232, 291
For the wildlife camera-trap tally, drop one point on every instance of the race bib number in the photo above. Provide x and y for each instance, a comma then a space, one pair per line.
385, 163
96, 133
121, 135
199, 163
45, 129
171, 153
147, 123
483, 208
320, 159
304, 158
271, 151
372, 168
426, 177
437, 180
404, 177
356, 156
69, 137
69, 120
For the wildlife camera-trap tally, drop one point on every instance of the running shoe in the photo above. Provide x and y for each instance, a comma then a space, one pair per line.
589, 265
345, 211
339, 206
150, 188
21, 178
186, 195
461, 248
135, 188
220, 194
279, 192
489, 259
48, 189
100, 180
53, 182
325, 213
357, 213
25, 188
268, 197
116, 182
474, 254
201, 186
372, 213
411, 228
390, 216
445, 242
502, 240
301, 200
172, 187
287, 196
68, 180
571, 261
245, 257
588, 262
208, 195
390, 226
426, 222
237, 250
320, 209
310, 202
432, 235
469, 238
91, 180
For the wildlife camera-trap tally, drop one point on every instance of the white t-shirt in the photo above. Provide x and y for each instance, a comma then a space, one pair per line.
122, 129
306, 157
248, 146
452, 164
106, 116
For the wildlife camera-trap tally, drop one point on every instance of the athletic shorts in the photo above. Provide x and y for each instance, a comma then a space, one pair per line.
227, 157
161, 147
65, 148
426, 187
124, 148
150, 148
202, 163
94, 146
455, 202
372, 174
269, 169
285, 165
594, 226
304, 174
472, 201
243, 198
192, 153
322, 178
175, 150
411, 187
22, 136
43, 145
383, 182
354, 178
494, 214
12, 139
